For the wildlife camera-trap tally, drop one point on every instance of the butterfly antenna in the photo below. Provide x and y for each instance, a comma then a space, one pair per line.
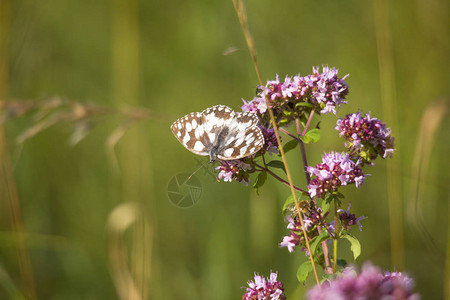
190, 176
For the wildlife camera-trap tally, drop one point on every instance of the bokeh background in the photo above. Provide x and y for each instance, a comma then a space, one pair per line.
73, 216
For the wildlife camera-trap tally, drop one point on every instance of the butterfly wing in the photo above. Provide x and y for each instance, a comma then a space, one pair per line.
215, 119
244, 138
190, 132
234, 135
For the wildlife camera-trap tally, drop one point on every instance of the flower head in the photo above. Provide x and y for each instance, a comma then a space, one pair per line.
264, 289
329, 90
336, 170
271, 143
312, 218
235, 170
257, 105
370, 283
296, 95
369, 137
348, 219
294, 239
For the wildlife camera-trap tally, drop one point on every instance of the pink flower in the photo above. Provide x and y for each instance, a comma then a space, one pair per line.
336, 169
264, 289
370, 283
366, 136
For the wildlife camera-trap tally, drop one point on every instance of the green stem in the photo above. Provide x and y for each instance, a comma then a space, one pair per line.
302, 149
242, 16
335, 235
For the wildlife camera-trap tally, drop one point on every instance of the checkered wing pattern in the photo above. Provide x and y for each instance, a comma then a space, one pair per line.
190, 132
219, 132
244, 139
217, 118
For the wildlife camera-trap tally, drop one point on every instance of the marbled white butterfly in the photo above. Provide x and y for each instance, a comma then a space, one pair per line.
219, 132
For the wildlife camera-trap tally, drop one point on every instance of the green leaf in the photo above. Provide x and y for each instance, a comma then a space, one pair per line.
355, 245
277, 164
328, 277
289, 201
290, 145
304, 119
325, 206
312, 136
303, 271
339, 195
317, 240
305, 104
287, 204
259, 182
364, 155
283, 122
329, 198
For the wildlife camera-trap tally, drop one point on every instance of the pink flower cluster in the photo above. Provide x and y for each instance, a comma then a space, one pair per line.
336, 170
264, 289
314, 217
294, 239
257, 105
325, 92
370, 283
364, 133
348, 219
271, 143
234, 170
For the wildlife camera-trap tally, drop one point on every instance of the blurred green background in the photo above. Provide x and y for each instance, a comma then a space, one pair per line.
166, 57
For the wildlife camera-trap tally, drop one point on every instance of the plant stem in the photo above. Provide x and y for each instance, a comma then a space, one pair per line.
328, 269
303, 151
302, 147
335, 235
242, 16
280, 179
307, 123
289, 134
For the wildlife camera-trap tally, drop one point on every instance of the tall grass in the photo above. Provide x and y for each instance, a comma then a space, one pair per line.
431, 121
8, 188
134, 171
386, 65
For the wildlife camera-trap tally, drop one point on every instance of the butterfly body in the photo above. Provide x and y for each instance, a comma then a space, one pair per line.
219, 132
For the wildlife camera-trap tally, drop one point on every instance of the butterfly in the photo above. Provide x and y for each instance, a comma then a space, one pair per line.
219, 132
